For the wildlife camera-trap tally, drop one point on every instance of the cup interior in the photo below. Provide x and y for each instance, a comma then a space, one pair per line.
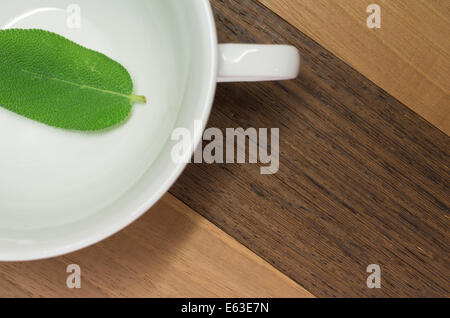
63, 190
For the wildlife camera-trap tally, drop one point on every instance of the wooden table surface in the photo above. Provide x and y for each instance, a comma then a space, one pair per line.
363, 179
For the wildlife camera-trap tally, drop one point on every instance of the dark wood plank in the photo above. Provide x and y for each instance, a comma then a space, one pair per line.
363, 180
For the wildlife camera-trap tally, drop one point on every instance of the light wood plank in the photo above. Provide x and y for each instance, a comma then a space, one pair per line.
169, 252
409, 56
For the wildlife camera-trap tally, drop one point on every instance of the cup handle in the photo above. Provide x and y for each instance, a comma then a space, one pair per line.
254, 63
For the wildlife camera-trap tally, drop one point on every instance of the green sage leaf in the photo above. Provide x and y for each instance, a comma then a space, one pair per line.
50, 79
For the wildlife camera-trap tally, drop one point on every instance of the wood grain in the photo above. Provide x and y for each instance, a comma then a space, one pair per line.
363, 179
409, 56
170, 252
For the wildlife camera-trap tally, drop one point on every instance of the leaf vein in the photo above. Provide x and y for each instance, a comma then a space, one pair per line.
82, 86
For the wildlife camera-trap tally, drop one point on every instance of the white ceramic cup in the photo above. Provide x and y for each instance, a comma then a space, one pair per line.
61, 191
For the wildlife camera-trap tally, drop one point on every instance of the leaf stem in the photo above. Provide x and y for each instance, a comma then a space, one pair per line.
138, 99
